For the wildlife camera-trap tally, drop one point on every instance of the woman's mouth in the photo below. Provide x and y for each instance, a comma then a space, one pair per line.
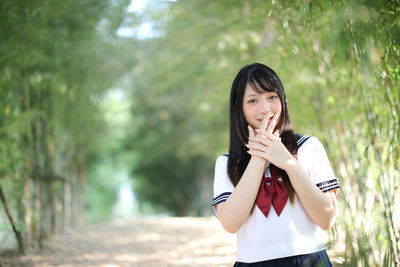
269, 120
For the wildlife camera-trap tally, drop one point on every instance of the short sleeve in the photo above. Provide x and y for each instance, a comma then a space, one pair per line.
222, 184
312, 156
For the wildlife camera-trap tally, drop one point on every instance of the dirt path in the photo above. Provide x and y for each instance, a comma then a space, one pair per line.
139, 242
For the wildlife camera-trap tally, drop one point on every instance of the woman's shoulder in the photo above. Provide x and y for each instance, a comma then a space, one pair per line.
222, 159
310, 148
308, 141
301, 139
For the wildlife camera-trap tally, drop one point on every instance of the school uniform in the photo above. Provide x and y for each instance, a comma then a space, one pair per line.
289, 234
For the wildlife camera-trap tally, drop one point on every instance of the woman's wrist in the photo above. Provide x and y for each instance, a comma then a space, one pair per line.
292, 166
258, 161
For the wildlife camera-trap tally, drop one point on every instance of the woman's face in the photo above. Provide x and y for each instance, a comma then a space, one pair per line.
256, 106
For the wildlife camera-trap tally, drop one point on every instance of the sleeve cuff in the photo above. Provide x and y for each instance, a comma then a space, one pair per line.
328, 185
220, 198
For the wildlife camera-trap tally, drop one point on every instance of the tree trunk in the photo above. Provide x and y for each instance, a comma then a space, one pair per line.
46, 198
59, 208
16, 232
67, 205
28, 214
37, 207
81, 193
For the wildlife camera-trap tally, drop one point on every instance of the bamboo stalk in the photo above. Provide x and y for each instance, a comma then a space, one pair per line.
387, 212
28, 214
10, 218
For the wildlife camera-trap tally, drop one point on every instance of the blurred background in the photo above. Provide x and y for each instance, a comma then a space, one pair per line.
119, 108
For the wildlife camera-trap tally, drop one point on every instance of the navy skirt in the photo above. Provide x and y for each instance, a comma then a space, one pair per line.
317, 259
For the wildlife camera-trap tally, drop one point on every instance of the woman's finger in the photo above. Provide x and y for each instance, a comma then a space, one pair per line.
262, 133
251, 131
262, 140
272, 137
264, 122
256, 146
272, 124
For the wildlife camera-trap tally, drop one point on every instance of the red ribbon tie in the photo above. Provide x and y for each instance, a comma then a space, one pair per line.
273, 193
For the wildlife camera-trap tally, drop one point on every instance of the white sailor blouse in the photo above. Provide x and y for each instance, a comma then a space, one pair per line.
264, 237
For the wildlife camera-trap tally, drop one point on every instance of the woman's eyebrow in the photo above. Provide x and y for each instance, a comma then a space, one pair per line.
251, 95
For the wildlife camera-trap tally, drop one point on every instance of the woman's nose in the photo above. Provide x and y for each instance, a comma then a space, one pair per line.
264, 106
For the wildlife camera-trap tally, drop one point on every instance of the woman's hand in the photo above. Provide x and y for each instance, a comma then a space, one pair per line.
252, 136
267, 145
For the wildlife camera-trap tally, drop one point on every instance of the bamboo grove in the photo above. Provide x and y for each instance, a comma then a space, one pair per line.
55, 64
338, 60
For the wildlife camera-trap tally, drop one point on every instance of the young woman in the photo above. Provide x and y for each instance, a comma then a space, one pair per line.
274, 188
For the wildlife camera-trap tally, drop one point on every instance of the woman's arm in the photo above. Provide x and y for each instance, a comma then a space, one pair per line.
236, 209
320, 207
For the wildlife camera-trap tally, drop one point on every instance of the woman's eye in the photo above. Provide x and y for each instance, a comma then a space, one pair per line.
251, 101
273, 97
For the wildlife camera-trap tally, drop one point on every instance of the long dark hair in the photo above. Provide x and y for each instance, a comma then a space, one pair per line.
261, 78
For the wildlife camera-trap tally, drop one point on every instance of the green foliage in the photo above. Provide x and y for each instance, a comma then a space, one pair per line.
58, 58
339, 62
101, 192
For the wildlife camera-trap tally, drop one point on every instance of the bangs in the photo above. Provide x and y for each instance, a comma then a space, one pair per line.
260, 84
